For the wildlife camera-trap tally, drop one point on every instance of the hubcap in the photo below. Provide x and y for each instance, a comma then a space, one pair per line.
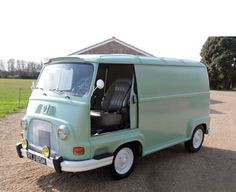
197, 138
124, 160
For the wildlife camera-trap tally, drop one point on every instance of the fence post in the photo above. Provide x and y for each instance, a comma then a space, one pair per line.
19, 97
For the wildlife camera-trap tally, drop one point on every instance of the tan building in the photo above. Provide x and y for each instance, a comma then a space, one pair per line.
112, 46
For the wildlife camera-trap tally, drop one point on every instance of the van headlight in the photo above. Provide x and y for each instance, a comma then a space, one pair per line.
24, 124
63, 132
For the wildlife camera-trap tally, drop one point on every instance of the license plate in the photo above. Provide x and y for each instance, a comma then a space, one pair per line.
36, 158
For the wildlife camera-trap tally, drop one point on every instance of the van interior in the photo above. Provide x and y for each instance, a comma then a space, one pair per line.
110, 106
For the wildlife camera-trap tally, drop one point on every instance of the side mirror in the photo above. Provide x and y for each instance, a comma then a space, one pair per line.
100, 84
33, 85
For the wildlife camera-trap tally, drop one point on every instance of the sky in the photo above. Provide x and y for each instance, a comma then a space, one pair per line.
38, 29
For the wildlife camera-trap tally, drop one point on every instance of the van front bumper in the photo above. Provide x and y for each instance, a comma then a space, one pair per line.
68, 166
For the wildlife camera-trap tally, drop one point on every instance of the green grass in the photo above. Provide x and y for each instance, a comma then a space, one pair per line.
9, 95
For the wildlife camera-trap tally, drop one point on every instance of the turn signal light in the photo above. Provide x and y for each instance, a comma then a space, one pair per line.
21, 135
78, 150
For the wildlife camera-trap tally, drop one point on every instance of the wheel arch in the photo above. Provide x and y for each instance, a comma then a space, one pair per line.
204, 127
135, 144
199, 121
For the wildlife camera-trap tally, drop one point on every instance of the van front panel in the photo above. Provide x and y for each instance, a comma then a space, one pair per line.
73, 115
59, 101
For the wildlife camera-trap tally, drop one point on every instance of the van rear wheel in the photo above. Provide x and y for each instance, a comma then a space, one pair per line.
123, 162
195, 143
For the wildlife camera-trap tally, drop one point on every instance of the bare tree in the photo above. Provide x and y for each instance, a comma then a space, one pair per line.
2, 67
23, 65
18, 65
11, 65
20, 68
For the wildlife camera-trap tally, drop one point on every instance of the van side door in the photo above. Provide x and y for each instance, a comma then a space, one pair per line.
134, 104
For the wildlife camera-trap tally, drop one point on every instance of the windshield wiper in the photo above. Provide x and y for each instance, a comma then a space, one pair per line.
59, 92
39, 88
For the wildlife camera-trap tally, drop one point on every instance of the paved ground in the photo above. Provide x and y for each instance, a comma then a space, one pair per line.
211, 169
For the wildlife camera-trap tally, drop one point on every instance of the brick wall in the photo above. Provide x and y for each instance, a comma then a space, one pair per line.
112, 48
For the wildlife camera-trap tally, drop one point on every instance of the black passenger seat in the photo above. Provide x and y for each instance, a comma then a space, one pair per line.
114, 107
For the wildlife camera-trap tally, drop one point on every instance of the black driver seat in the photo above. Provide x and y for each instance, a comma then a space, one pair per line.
114, 107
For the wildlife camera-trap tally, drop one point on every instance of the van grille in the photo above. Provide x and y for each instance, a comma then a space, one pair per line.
41, 133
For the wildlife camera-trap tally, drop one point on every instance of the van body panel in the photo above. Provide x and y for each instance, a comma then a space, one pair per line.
109, 142
126, 59
168, 102
195, 121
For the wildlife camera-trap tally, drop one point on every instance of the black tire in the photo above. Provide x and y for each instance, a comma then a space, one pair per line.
120, 175
189, 145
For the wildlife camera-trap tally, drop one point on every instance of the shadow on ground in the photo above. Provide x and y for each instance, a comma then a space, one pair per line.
169, 170
213, 111
213, 102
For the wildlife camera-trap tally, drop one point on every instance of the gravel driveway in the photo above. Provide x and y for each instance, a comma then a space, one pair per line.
211, 169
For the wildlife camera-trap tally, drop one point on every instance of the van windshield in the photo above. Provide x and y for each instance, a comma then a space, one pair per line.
71, 78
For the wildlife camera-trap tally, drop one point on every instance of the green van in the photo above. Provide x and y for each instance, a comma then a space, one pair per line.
90, 111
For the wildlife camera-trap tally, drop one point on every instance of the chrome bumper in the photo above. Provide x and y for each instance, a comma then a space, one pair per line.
68, 166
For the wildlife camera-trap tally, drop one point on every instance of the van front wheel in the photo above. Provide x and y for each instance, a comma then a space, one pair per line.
123, 162
196, 141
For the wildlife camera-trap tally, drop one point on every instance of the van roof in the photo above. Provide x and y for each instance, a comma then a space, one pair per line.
128, 59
